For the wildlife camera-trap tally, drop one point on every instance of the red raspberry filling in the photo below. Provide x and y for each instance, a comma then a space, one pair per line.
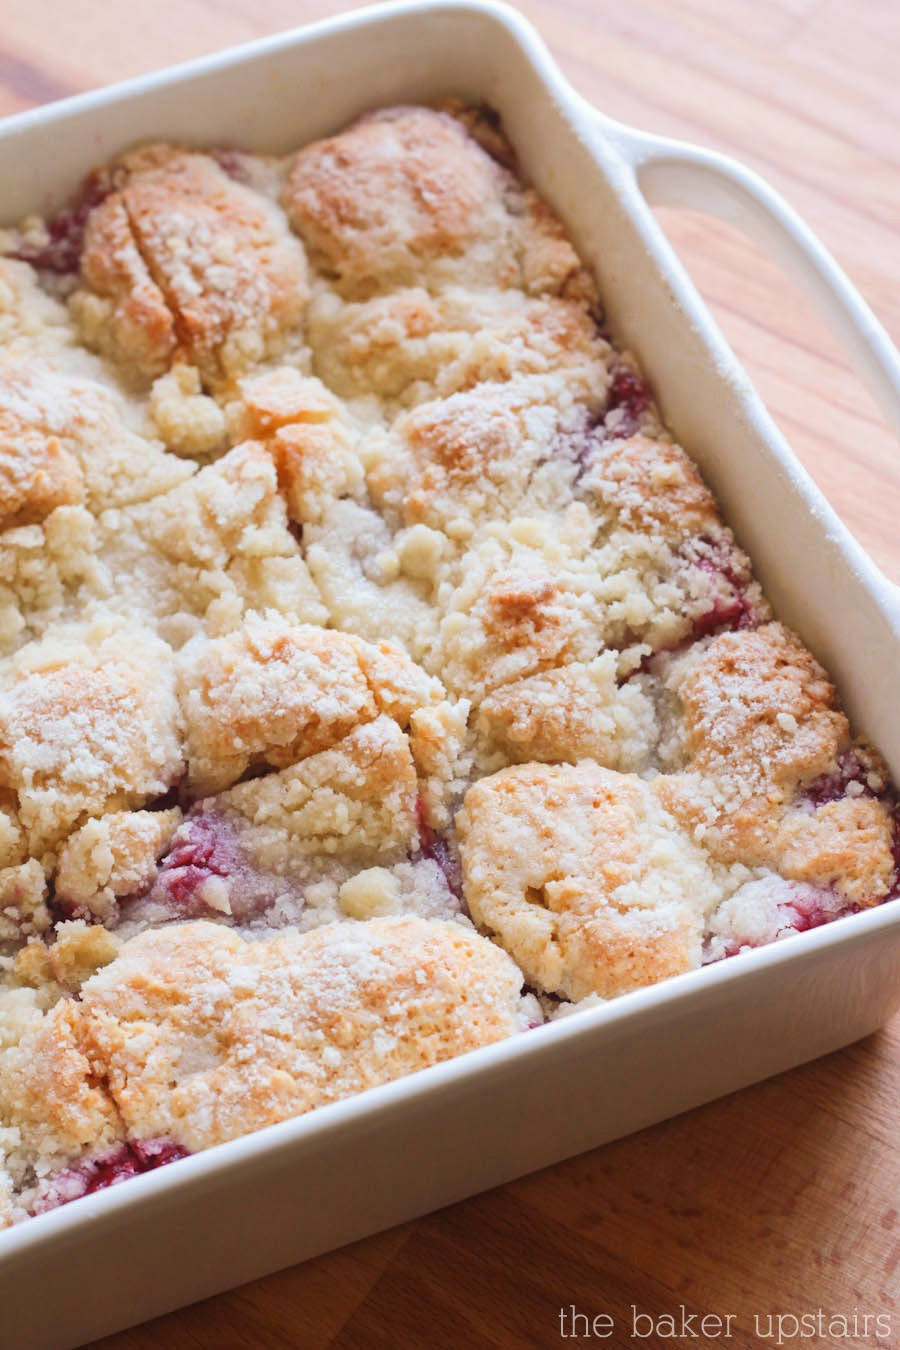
208, 847
733, 608
235, 163
131, 1159
62, 251
894, 892
805, 910
204, 847
810, 911
851, 767
435, 847
627, 401
629, 398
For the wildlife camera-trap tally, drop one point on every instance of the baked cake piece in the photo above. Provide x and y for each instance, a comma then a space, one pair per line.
179, 262
192, 1035
67, 440
407, 196
370, 652
70, 451
409, 346
321, 769
770, 773
774, 821
547, 620
89, 722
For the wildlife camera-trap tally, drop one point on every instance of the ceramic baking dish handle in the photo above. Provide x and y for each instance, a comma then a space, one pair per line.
674, 173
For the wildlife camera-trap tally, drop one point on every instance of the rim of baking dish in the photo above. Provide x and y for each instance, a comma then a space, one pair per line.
601, 134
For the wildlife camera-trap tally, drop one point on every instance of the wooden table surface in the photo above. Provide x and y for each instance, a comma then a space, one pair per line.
784, 1198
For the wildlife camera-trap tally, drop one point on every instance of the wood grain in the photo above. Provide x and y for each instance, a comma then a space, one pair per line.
783, 1198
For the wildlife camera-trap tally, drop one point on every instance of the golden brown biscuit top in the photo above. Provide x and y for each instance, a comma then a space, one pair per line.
652, 487
356, 603
84, 730
583, 878
758, 706
191, 264
400, 188
274, 693
193, 1034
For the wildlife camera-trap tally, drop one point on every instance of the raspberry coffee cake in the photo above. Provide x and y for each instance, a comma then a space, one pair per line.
378, 678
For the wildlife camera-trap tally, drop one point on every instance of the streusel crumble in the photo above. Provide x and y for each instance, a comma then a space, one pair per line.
377, 676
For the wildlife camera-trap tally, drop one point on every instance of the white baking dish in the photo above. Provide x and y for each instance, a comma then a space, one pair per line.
296, 1189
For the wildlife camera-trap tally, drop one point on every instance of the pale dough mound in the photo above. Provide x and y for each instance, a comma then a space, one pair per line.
577, 711
211, 550
650, 486
409, 346
31, 321
73, 454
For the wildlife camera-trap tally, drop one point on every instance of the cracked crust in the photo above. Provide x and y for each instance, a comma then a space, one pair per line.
195, 1035
347, 604
214, 548
311, 441
273, 694
578, 711
338, 832
182, 262
272, 1029
761, 723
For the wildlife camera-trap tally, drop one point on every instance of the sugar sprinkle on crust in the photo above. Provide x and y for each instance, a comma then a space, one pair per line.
368, 649
761, 724
181, 261
274, 693
407, 194
85, 729
195, 1035
583, 879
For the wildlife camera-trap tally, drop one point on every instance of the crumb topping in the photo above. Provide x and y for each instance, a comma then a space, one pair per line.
369, 652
